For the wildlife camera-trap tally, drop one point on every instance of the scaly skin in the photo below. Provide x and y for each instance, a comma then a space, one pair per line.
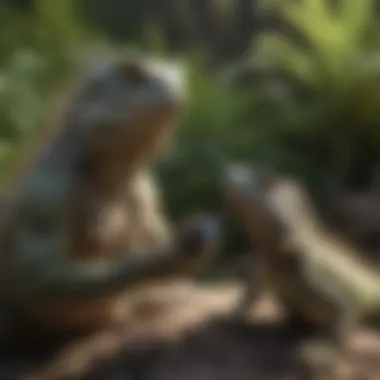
85, 220
320, 278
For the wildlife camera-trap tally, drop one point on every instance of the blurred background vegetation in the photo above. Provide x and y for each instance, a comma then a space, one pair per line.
292, 84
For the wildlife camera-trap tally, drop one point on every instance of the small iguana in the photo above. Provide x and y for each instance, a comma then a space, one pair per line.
85, 220
321, 279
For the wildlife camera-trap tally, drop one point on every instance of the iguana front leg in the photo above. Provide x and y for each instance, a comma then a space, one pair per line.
254, 280
42, 274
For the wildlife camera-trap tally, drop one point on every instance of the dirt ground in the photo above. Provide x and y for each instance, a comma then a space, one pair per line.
187, 333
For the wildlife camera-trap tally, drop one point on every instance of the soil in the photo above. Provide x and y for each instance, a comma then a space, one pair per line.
188, 333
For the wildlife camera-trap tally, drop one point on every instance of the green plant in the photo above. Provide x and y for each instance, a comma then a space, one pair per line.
325, 95
33, 61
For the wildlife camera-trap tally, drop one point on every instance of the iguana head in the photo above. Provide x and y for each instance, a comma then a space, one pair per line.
253, 192
244, 186
126, 104
245, 193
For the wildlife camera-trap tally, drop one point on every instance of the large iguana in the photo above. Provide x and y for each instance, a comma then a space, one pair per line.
85, 220
320, 278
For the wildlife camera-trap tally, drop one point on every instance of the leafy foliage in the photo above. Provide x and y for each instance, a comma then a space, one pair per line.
331, 86
32, 62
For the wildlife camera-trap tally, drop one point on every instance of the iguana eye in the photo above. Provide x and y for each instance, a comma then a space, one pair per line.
133, 72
